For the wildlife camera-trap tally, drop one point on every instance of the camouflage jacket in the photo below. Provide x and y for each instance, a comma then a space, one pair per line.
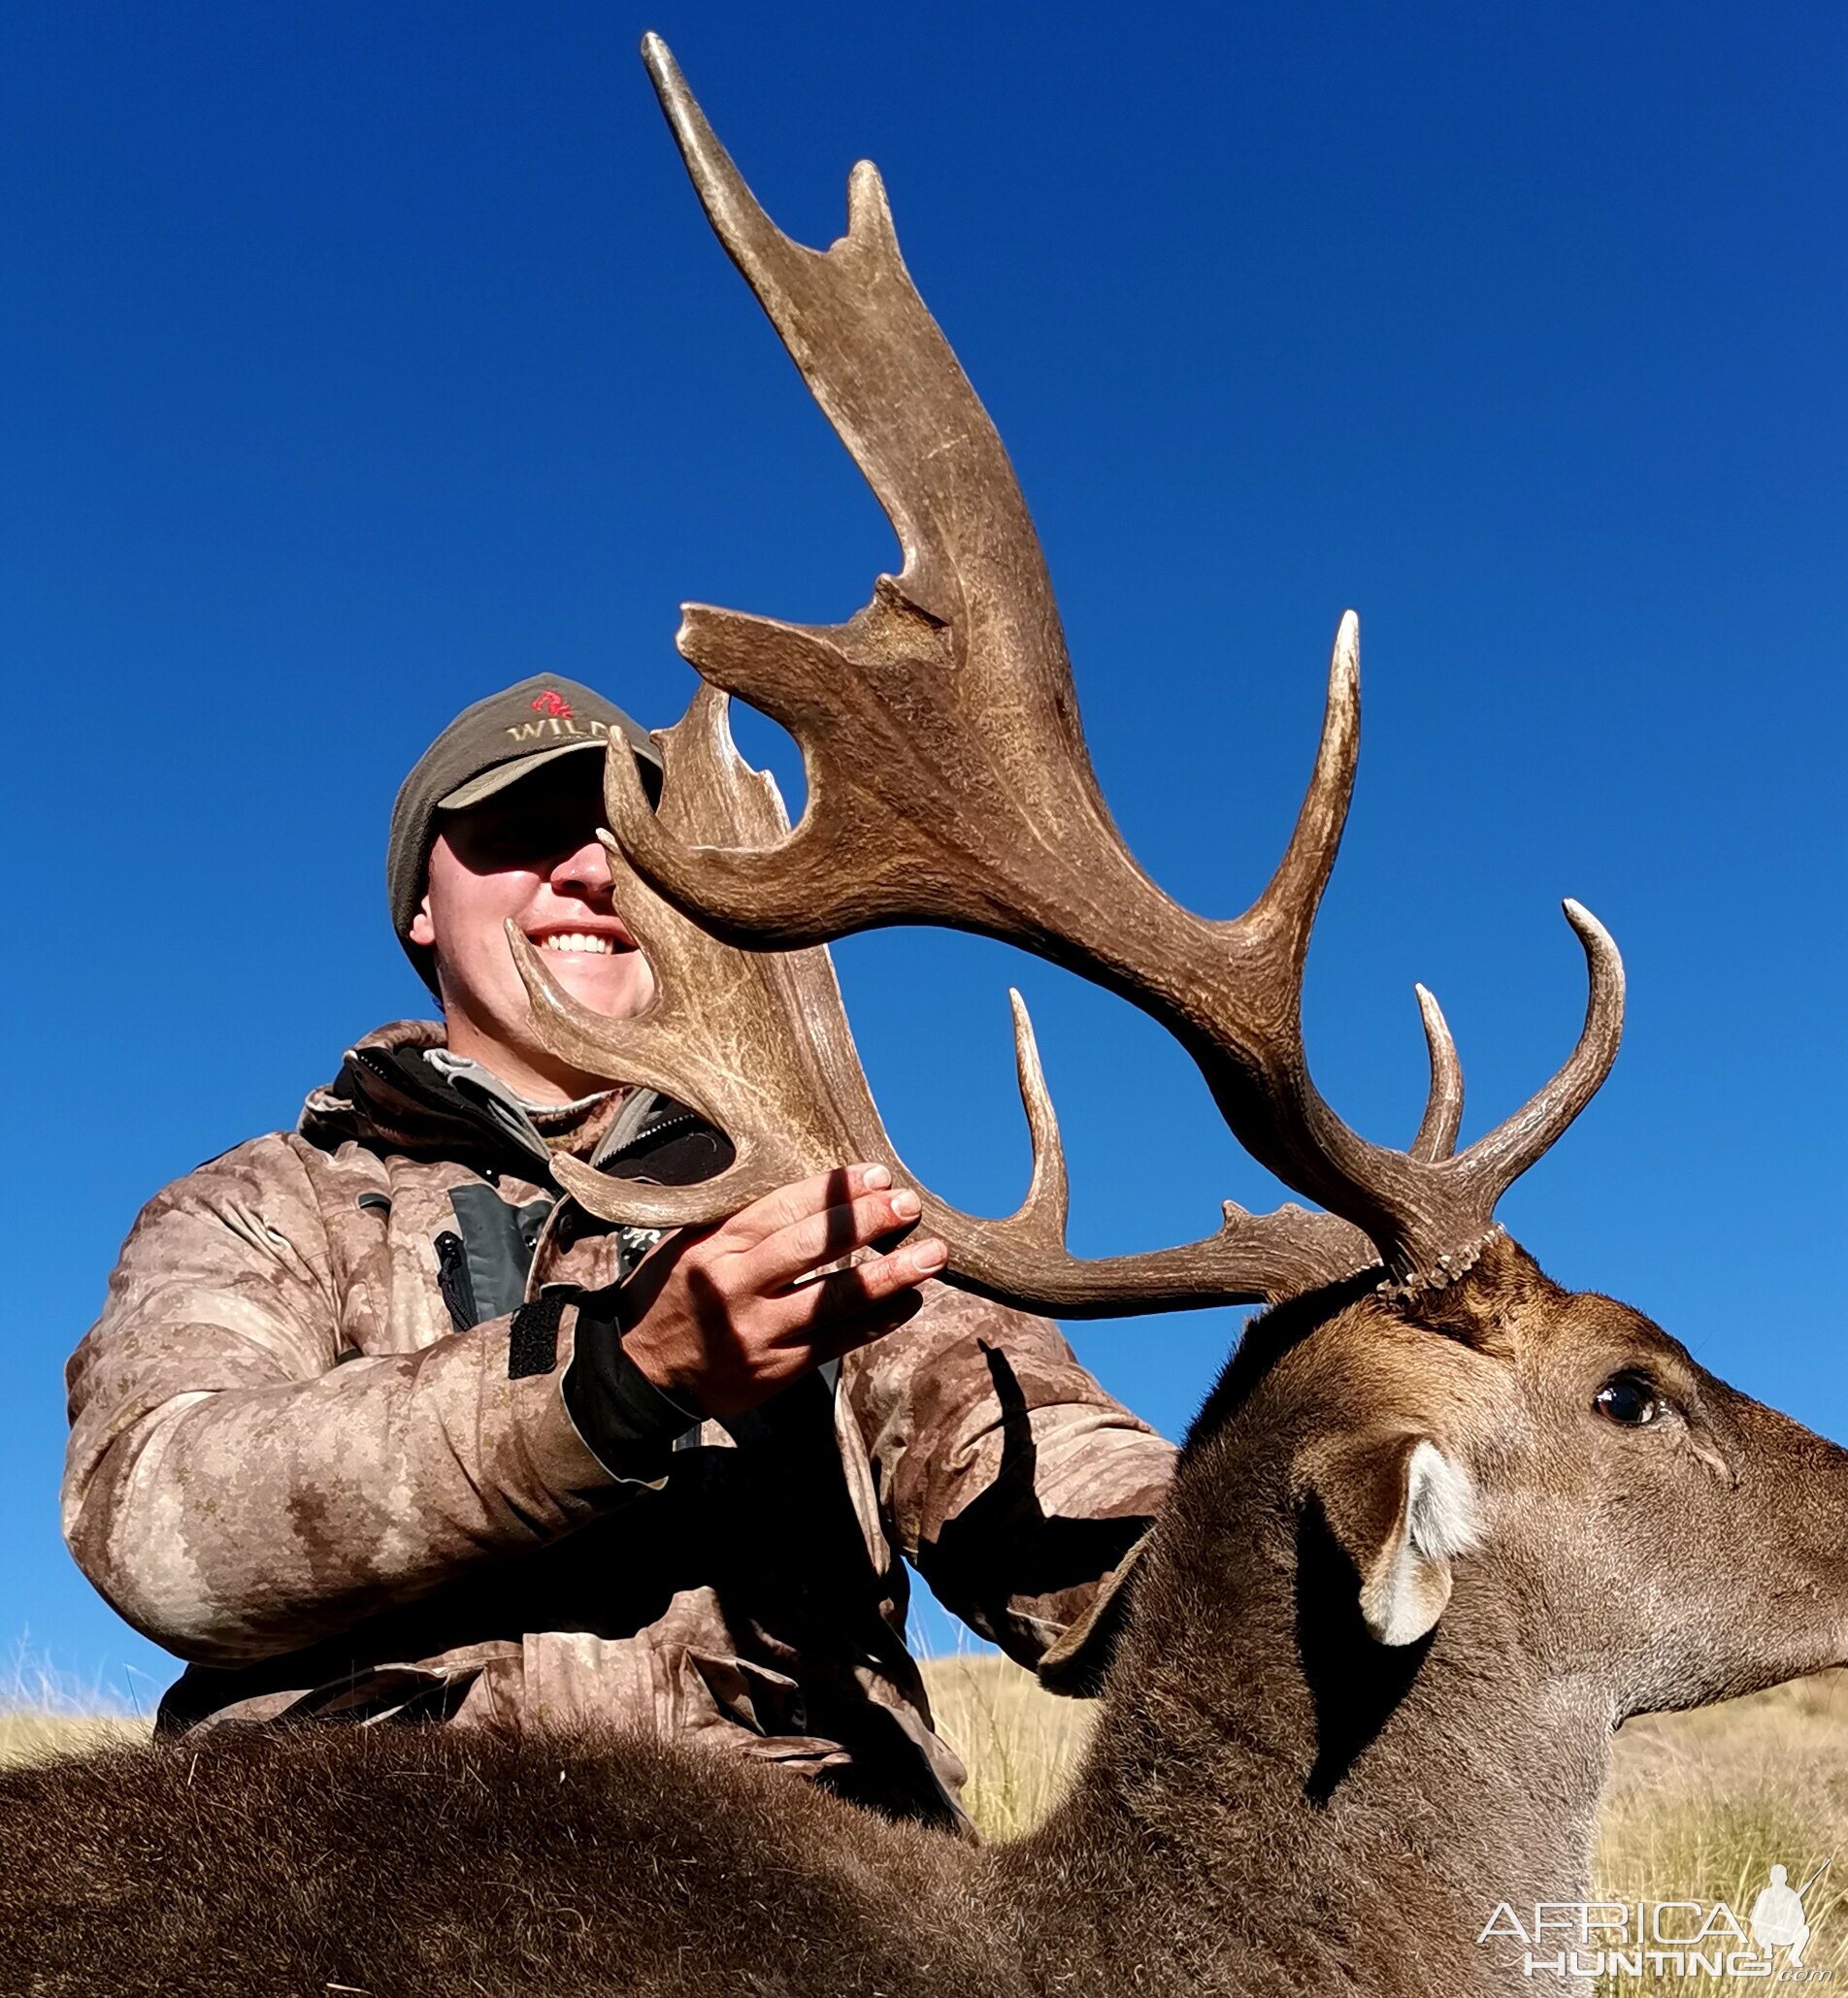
299, 1458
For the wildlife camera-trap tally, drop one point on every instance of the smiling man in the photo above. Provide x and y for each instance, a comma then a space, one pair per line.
375, 1423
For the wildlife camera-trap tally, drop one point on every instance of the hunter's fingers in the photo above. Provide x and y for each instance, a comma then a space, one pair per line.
820, 1310
807, 1197
824, 1237
844, 1335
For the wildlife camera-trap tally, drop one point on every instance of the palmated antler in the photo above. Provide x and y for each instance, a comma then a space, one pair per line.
759, 1044
948, 780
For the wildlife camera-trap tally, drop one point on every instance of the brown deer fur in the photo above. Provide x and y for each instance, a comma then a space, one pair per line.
1274, 1800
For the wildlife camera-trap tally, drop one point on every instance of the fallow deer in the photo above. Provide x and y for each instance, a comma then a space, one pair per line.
1439, 1528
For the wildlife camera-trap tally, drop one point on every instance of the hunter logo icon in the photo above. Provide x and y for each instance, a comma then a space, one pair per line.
1778, 1919
553, 704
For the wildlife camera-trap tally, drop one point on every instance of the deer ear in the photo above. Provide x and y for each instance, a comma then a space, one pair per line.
1402, 1510
1076, 1663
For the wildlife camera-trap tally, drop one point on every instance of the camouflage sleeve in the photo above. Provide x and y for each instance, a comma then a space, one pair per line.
1009, 1477
234, 1492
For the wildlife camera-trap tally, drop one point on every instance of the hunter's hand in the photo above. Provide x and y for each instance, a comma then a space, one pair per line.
722, 1316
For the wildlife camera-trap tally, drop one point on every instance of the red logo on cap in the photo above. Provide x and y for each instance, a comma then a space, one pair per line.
554, 705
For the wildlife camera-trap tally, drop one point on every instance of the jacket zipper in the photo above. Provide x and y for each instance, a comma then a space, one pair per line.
684, 1120
453, 1280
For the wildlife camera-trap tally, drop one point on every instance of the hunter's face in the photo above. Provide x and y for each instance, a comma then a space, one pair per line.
530, 854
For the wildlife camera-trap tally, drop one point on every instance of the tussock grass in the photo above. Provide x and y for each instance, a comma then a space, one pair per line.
1699, 1807
1019, 1742
44, 1713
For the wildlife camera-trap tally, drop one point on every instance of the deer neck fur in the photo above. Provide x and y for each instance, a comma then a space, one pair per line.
1275, 1798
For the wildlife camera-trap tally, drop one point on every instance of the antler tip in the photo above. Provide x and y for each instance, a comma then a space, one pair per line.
1600, 947
1033, 1082
869, 211
1437, 1137
539, 990
1344, 660
658, 59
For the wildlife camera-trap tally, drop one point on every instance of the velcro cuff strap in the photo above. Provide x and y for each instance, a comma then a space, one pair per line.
532, 1341
626, 1421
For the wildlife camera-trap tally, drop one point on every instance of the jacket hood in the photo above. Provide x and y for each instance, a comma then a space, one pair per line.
390, 1100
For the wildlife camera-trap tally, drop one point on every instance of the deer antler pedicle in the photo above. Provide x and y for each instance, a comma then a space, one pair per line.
759, 1044
947, 775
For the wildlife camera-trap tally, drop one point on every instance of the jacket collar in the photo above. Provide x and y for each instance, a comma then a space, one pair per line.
390, 1098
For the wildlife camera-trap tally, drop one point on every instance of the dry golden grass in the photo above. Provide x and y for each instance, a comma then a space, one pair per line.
28, 1735
1700, 1805
46, 1712
1019, 1742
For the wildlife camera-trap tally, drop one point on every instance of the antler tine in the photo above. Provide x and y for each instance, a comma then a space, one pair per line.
1498, 1159
1443, 1103
1294, 892
1049, 1193
801, 293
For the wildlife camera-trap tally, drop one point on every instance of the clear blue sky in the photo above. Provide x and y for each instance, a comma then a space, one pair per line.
362, 359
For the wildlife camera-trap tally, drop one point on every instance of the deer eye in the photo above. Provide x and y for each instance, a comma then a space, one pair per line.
1628, 1400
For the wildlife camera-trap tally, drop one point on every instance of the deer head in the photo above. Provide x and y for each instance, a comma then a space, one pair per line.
1422, 1557
1547, 1468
